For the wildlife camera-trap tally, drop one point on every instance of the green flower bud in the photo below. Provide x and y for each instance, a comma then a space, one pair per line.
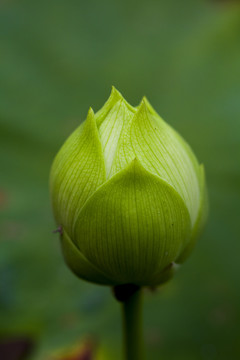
128, 194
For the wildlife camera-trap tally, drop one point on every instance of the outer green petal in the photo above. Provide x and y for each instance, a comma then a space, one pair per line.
78, 170
201, 219
160, 149
180, 139
161, 277
134, 226
80, 265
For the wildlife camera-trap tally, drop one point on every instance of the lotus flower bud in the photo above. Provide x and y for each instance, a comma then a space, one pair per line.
128, 194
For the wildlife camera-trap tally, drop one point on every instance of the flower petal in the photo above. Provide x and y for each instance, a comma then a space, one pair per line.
111, 121
79, 264
201, 219
133, 226
114, 97
78, 170
162, 152
161, 277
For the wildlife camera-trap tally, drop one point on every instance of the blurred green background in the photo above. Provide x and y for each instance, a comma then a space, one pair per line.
57, 58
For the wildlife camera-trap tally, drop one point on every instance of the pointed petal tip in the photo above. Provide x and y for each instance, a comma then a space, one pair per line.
90, 115
145, 100
145, 104
115, 95
143, 113
135, 166
90, 112
142, 107
135, 163
148, 105
113, 98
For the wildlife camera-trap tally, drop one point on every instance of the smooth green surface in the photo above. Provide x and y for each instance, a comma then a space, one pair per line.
132, 327
57, 59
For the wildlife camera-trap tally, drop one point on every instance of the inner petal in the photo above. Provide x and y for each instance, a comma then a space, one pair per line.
110, 131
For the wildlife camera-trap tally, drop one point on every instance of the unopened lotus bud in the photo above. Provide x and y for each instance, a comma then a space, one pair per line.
128, 194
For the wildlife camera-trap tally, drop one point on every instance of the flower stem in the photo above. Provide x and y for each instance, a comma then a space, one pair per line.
131, 298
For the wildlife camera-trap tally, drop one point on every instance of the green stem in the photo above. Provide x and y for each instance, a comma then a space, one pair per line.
131, 298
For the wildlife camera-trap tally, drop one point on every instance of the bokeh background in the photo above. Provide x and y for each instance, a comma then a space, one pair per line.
57, 58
